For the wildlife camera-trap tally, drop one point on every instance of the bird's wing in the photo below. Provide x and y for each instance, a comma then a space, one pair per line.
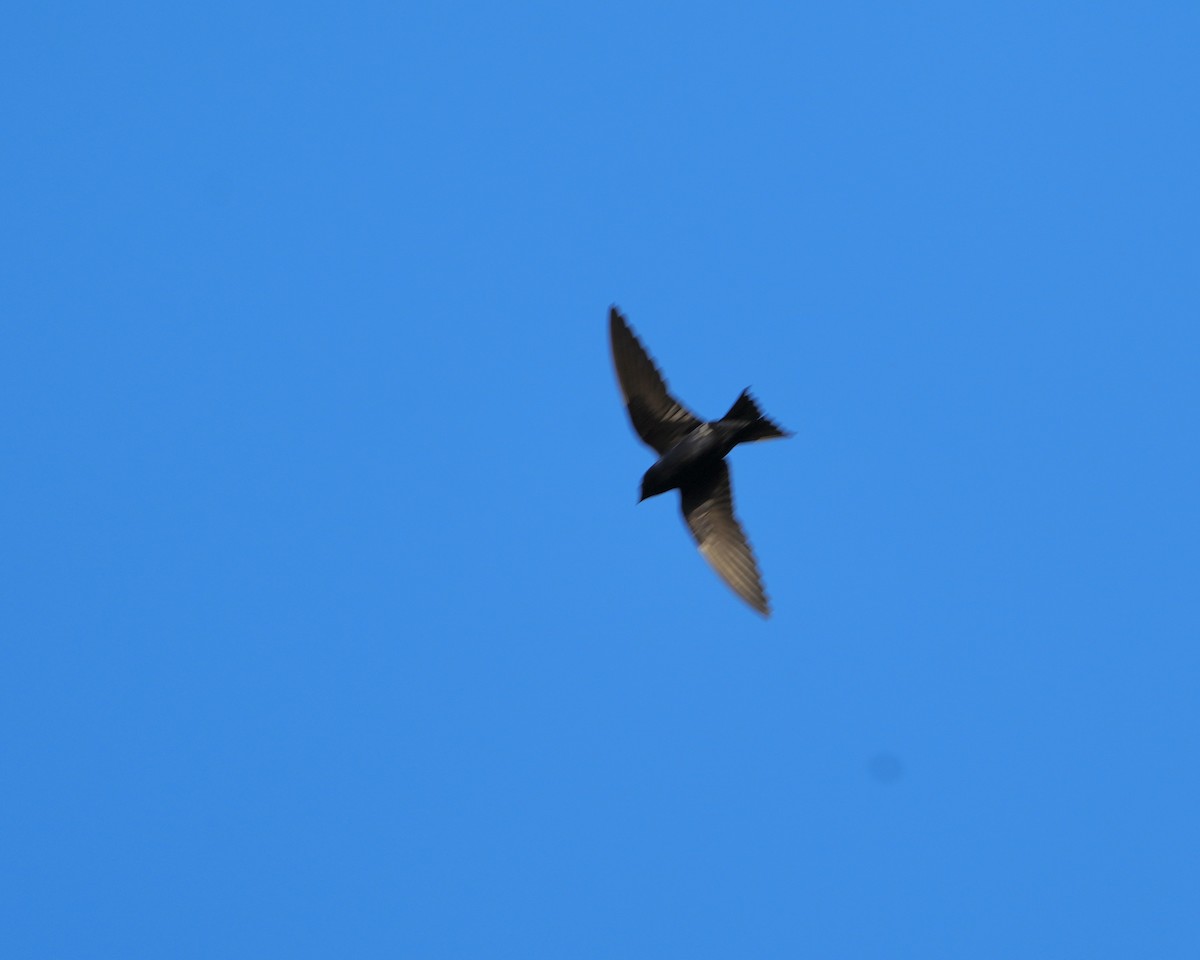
660, 420
708, 509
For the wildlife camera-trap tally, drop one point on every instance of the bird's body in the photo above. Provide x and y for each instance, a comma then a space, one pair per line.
696, 452
692, 459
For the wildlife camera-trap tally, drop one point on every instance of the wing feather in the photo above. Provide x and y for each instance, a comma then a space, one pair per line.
659, 419
707, 505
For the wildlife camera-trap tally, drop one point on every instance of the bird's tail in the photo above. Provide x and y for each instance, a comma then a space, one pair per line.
750, 422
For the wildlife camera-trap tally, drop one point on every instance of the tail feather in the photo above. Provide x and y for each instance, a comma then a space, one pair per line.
757, 426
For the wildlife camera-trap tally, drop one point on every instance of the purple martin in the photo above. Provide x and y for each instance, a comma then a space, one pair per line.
692, 459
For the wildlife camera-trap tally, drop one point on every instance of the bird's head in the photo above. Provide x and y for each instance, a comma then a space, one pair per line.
653, 483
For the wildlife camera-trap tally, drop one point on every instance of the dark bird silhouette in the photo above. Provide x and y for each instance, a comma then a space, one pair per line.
692, 459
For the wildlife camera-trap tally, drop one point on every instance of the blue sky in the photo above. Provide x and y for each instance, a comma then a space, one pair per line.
331, 625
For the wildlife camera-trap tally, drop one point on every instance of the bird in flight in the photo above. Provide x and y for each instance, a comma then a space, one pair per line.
691, 459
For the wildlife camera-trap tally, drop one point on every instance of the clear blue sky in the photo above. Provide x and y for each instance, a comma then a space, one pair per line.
331, 627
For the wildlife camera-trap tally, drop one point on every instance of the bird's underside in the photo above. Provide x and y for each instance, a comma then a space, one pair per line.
706, 497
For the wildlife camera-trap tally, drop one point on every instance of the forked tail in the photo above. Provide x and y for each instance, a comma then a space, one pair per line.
751, 422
